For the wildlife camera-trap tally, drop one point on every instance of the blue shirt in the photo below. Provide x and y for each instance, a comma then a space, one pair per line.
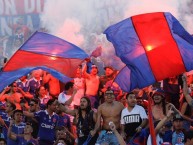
23, 86
168, 136
6, 119
47, 125
17, 129
33, 84
178, 138
64, 120
22, 141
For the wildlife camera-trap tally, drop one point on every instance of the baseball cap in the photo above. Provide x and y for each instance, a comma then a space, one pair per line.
177, 117
159, 92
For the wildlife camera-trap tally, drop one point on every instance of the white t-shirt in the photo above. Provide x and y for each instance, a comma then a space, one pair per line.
131, 120
133, 115
62, 98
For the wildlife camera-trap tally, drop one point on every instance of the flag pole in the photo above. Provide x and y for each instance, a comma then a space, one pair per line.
150, 117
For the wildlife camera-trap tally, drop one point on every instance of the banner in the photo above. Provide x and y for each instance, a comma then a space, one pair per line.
18, 20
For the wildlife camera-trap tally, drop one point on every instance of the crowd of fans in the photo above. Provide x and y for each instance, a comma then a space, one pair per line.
38, 109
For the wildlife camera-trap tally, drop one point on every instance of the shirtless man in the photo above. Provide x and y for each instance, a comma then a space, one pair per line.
53, 83
109, 111
92, 85
160, 107
12, 95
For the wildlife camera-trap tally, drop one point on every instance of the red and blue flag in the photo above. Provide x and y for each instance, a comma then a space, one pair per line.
43, 51
153, 46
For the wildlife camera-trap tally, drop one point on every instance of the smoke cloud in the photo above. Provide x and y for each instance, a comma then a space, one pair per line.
83, 22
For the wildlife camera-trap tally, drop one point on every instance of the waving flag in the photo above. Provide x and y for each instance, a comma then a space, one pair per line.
44, 51
153, 46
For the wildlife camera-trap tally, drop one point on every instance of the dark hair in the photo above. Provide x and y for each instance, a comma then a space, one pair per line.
36, 101
68, 85
130, 93
16, 111
2, 139
50, 102
80, 66
88, 108
37, 91
13, 83
164, 103
23, 101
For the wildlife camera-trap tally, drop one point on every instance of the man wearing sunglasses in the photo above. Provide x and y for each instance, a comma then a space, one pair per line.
33, 107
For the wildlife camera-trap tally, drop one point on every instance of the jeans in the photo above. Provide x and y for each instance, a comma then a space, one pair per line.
108, 138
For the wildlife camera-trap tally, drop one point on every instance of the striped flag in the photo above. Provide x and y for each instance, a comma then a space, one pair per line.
153, 46
43, 51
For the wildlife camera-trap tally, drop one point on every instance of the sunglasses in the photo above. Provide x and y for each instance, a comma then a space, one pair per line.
31, 104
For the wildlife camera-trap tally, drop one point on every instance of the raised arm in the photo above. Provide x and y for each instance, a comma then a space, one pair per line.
164, 120
185, 91
10, 134
46, 77
119, 137
69, 101
28, 114
3, 95
25, 94
98, 122
183, 110
63, 108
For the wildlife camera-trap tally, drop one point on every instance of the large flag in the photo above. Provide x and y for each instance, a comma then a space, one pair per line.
46, 52
153, 46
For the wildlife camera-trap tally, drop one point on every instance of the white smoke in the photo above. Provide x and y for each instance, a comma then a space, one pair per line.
182, 10
148, 6
82, 22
